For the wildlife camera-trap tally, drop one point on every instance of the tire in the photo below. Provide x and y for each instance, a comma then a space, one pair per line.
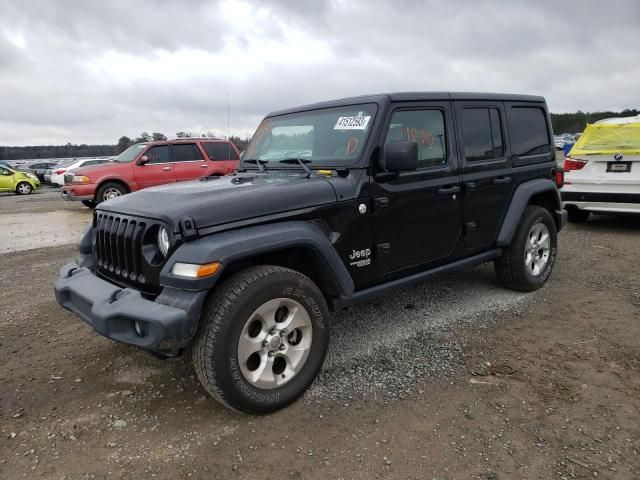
575, 215
89, 203
233, 317
109, 190
24, 188
524, 265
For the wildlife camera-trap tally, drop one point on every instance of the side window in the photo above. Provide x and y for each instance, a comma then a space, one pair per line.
482, 134
186, 152
426, 128
159, 154
528, 131
4, 171
220, 151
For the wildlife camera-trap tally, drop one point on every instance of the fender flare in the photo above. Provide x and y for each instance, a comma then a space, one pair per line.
103, 180
236, 245
519, 202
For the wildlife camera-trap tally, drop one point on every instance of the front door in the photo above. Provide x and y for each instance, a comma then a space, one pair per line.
416, 218
6, 180
158, 170
487, 176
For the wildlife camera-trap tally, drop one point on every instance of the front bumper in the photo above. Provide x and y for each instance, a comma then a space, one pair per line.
78, 192
164, 325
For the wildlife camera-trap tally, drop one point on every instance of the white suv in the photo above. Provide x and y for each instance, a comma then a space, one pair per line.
602, 170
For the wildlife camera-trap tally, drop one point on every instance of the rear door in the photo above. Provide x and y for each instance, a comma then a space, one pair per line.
189, 162
158, 170
487, 178
223, 157
416, 218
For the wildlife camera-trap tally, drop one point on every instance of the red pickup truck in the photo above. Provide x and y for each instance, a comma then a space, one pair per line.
149, 164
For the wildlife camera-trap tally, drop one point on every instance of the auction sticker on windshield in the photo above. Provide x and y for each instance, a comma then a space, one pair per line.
352, 123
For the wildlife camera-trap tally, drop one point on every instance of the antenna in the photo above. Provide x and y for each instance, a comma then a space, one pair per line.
228, 131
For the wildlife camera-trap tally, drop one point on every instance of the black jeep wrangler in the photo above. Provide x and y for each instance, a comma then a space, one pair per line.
332, 204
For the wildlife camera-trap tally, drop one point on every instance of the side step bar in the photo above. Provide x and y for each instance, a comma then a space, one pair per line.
386, 288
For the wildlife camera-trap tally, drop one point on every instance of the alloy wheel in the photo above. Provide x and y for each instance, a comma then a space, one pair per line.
537, 249
275, 343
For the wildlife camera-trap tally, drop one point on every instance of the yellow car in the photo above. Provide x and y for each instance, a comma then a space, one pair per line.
20, 182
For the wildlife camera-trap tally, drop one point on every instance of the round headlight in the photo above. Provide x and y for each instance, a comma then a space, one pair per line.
163, 241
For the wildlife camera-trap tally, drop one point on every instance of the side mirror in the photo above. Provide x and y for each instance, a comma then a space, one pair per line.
143, 160
400, 156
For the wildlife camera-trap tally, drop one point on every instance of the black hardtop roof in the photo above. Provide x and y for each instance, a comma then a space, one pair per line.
413, 97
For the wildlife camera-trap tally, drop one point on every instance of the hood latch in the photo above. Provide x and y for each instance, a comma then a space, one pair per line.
188, 229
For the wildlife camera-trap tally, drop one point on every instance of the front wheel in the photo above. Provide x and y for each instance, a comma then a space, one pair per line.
263, 338
110, 190
89, 203
527, 263
24, 188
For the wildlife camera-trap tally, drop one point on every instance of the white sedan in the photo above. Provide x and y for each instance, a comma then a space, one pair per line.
57, 175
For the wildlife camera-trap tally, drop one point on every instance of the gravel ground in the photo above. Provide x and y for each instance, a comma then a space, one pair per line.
453, 379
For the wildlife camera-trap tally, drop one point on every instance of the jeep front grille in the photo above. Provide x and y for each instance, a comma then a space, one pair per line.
118, 250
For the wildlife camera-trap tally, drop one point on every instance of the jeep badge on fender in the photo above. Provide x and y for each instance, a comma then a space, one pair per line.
244, 269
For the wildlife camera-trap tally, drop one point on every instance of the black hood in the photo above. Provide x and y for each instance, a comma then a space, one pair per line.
219, 200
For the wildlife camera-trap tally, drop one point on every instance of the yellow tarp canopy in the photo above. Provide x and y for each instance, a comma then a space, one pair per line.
609, 139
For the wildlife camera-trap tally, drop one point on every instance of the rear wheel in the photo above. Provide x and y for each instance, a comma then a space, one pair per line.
528, 261
24, 188
575, 215
263, 338
110, 190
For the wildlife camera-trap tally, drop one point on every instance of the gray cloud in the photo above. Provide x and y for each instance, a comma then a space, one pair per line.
93, 71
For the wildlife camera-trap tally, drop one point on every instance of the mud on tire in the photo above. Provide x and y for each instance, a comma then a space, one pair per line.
227, 315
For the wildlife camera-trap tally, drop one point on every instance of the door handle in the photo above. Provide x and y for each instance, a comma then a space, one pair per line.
448, 191
203, 166
166, 169
502, 180
469, 186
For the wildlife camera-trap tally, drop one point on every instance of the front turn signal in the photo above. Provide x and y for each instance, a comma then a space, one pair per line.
191, 270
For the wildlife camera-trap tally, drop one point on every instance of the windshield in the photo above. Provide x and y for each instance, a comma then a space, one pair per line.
326, 137
130, 153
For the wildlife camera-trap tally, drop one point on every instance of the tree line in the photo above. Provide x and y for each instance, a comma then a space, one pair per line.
562, 123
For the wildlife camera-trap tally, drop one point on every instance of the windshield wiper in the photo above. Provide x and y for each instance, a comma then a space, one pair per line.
302, 163
259, 162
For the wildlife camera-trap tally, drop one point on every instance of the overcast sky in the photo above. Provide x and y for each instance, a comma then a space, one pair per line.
92, 71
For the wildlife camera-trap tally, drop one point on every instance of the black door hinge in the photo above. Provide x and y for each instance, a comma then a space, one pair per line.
469, 227
381, 202
383, 249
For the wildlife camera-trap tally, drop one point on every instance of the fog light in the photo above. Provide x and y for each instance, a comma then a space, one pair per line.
137, 326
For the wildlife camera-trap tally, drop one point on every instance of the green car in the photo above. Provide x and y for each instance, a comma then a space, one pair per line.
20, 182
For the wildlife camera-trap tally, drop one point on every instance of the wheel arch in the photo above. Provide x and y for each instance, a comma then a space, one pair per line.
117, 180
298, 245
541, 192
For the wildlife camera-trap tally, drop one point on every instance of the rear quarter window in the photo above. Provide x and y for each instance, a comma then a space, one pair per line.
529, 133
